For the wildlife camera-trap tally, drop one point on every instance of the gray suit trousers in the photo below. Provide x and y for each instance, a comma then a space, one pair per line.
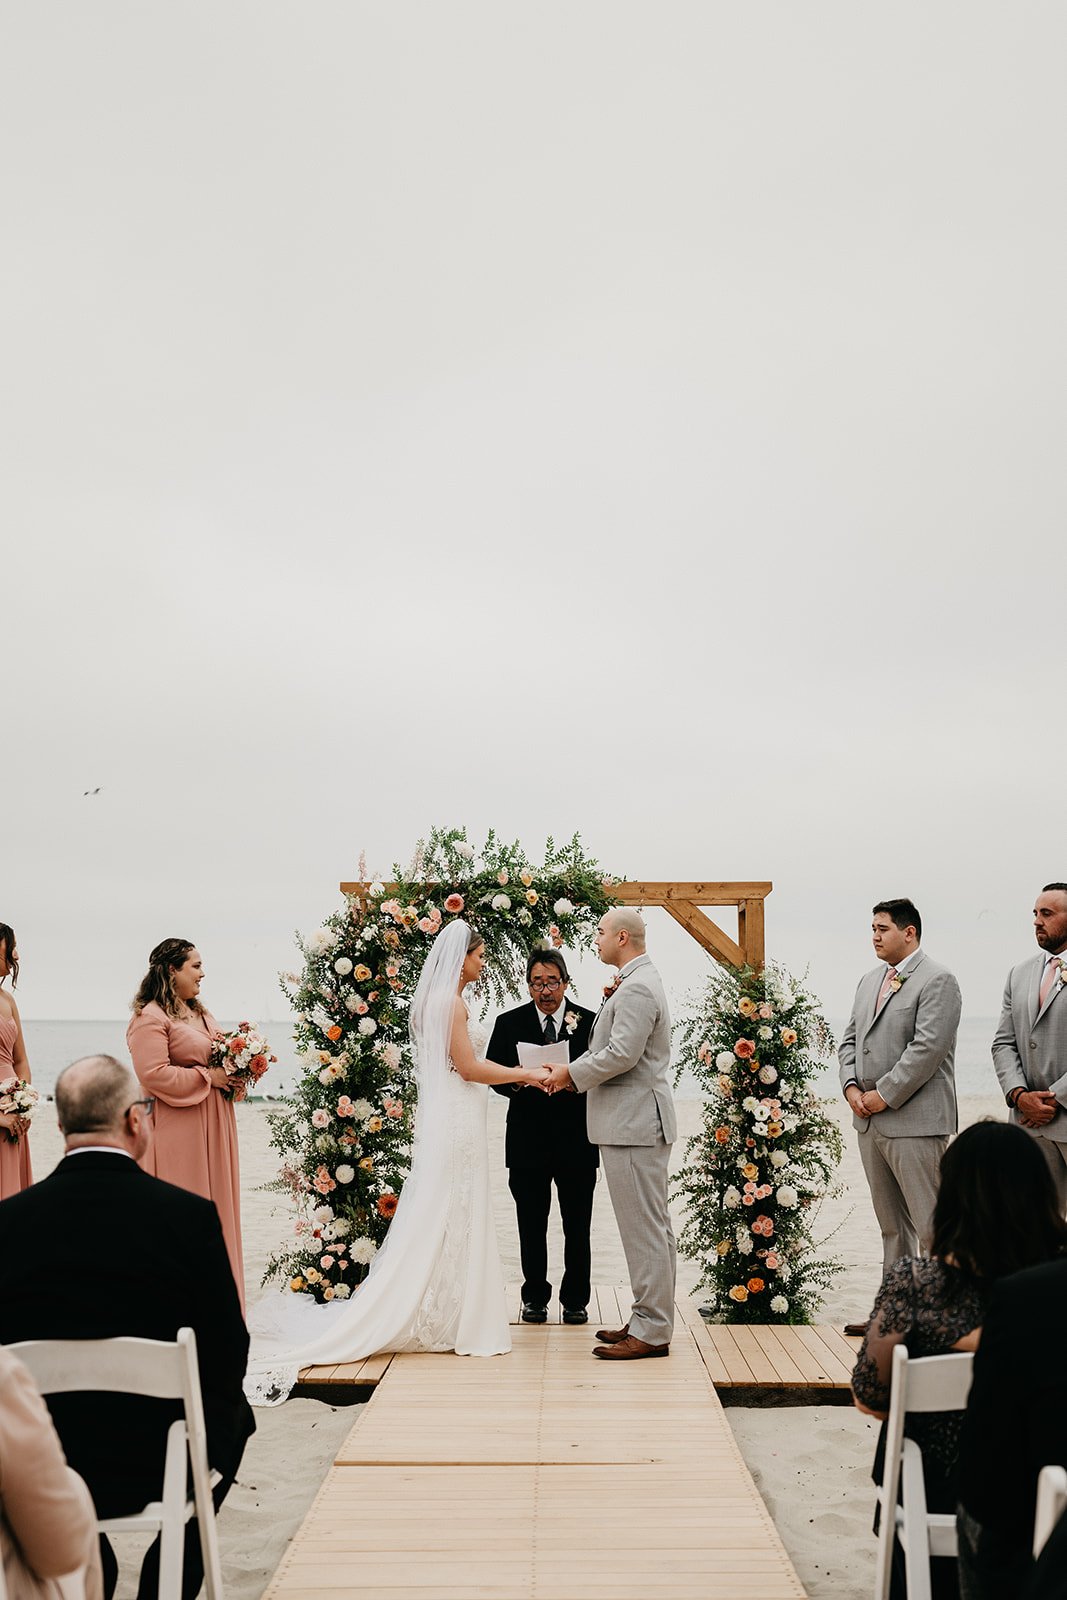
637, 1183
902, 1175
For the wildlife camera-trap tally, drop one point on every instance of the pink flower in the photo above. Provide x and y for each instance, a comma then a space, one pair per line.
773, 1262
362, 1009
501, 877
704, 1053
453, 904
391, 969
764, 1190
395, 1110
426, 925
323, 1182
762, 1225
326, 1262
766, 1011
320, 1118
744, 1049
344, 1106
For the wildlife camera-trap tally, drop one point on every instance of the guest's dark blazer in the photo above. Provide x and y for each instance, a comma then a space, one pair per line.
1016, 1420
98, 1250
543, 1130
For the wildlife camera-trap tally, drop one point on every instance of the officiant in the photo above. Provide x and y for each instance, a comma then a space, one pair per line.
546, 1141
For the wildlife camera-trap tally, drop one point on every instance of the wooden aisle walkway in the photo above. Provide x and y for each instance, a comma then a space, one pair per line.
544, 1475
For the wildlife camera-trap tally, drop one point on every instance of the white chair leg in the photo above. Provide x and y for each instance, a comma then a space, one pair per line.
172, 1534
914, 1536
884, 1558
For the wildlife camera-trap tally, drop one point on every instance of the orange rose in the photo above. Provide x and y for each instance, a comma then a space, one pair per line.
361, 974
296, 1284
749, 1170
788, 1036
774, 1130
755, 1285
387, 1204
744, 1049
333, 1033
722, 1135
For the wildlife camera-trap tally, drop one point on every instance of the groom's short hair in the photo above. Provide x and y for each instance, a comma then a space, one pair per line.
547, 958
629, 921
902, 913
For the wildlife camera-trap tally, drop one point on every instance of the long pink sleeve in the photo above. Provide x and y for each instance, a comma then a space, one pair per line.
148, 1037
45, 1504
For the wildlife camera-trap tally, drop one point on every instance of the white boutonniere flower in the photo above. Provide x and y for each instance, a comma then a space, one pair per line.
571, 1018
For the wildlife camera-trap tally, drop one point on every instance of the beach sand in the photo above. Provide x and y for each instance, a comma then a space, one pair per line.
811, 1464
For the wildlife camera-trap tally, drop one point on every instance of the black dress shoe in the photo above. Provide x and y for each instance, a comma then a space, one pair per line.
579, 1314
856, 1330
534, 1313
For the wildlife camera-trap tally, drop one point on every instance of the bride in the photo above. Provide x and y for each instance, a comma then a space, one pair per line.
436, 1283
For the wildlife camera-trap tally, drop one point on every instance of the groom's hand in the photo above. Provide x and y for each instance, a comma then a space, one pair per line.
558, 1078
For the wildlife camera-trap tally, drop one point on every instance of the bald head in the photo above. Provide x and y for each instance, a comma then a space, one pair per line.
92, 1097
624, 919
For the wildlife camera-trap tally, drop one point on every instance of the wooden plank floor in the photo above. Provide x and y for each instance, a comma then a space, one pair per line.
747, 1358
543, 1475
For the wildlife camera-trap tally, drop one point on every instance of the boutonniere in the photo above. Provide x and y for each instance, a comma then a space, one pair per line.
609, 988
898, 981
570, 1020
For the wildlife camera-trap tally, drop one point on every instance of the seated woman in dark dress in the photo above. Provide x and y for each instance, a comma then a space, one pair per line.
996, 1213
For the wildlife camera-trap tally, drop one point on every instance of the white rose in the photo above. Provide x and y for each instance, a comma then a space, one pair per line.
341, 1291
363, 1251
745, 1244
390, 1055
779, 1305
367, 1026
762, 1033
501, 902
767, 1074
341, 1227
725, 1060
322, 1215
326, 1075
563, 908
779, 1158
732, 1198
787, 1197
345, 1173
786, 1092
464, 851
343, 966
761, 1113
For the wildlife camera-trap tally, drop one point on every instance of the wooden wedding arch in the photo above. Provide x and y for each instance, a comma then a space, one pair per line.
685, 902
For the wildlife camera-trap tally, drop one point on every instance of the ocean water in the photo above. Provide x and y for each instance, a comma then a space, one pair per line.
52, 1045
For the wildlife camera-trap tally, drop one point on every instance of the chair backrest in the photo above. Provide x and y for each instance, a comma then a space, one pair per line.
116, 1366
932, 1383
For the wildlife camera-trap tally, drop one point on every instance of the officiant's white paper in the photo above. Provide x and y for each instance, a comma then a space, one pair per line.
544, 1055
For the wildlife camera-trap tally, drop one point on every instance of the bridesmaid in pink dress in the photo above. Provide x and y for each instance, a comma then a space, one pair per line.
15, 1173
169, 1036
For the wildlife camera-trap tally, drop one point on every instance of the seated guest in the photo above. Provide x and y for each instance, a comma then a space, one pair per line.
47, 1521
120, 1253
996, 1212
1015, 1424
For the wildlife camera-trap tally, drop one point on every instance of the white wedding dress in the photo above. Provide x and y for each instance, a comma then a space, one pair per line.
436, 1284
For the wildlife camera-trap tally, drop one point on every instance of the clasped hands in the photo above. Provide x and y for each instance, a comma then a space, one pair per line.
866, 1103
1036, 1107
549, 1079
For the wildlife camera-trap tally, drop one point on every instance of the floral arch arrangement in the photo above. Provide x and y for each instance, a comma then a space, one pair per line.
766, 1153
345, 1135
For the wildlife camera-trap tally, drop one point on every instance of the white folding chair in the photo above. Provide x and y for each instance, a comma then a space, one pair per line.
159, 1371
1051, 1504
932, 1383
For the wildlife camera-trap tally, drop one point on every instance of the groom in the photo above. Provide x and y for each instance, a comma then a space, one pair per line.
631, 1116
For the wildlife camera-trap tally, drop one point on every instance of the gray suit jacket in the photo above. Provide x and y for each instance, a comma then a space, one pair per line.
1030, 1046
624, 1072
907, 1051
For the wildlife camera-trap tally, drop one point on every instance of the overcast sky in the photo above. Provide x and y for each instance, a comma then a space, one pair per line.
644, 419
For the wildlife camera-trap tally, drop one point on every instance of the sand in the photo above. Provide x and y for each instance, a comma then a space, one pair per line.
812, 1464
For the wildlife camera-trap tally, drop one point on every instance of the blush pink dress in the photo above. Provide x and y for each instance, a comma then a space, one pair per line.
195, 1143
15, 1173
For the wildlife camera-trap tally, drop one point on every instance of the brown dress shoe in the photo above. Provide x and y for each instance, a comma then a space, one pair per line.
856, 1330
613, 1335
631, 1349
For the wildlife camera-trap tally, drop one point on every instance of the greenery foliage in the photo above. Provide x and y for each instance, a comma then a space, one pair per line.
345, 1133
766, 1152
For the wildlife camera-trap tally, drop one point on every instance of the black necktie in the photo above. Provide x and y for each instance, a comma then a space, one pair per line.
550, 1031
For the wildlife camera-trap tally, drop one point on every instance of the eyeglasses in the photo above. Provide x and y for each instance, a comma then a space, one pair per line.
149, 1106
545, 983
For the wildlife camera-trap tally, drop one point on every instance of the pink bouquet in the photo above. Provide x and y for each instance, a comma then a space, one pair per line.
245, 1055
20, 1098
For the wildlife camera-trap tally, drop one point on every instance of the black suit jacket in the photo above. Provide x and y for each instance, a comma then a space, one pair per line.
543, 1130
99, 1250
1016, 1420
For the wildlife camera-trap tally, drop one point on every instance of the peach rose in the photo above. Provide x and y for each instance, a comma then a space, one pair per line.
788, 1036
722, 1135
361, 974
738, 1292
744, 1049
747, 1007
333, 1033
756, 1285
454, 904
749, 1170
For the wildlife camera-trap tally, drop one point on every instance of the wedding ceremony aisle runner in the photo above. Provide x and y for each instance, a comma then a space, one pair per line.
545, 1473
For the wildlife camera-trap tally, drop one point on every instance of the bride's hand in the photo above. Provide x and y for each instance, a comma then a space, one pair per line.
534, 1077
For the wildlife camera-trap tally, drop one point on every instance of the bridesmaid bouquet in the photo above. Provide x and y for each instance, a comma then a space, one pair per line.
20, 1098
245, 1055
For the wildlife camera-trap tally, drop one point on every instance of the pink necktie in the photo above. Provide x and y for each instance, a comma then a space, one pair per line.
886, 990
1052, 967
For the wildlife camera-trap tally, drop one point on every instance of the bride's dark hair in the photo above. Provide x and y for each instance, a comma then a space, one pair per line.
474, 939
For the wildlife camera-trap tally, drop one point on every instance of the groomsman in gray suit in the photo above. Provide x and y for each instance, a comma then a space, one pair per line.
897, 1074
1030, 1044
630, 1115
